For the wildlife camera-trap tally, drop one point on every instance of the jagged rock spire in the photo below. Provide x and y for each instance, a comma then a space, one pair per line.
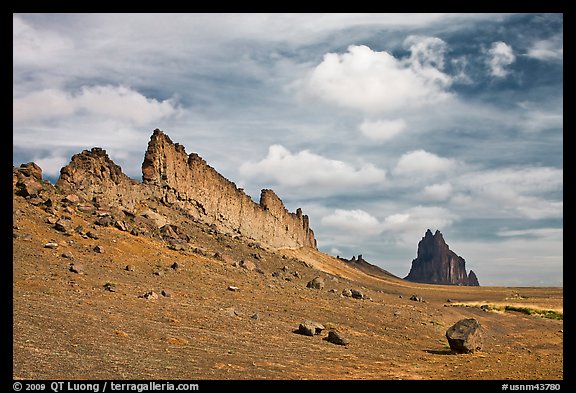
437, 264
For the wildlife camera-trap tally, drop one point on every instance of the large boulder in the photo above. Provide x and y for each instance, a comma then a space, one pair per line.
465, 336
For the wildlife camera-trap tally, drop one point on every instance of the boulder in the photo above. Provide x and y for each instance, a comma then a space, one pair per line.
248, 265
465, 336
356, 294
336, 337
310, 328
316, 283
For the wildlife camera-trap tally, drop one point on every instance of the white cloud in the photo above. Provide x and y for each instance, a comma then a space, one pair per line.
306, 169
356, 222
533, 232
408, 226
501, 55
377, 82
52, 164
438, 192
31, 46
537, 120
510, 192
381, 130
550, 49
426, 52
118, 102
422, 162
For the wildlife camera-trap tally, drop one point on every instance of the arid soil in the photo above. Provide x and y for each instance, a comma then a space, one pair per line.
222, 321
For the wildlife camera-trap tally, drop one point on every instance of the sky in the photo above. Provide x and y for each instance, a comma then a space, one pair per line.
379, 126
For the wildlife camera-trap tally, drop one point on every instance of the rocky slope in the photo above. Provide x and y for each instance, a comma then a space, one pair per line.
437, 264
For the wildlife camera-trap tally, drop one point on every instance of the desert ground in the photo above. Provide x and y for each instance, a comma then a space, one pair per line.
81, 312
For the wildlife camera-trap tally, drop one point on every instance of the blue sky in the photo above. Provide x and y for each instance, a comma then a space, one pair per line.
379, 126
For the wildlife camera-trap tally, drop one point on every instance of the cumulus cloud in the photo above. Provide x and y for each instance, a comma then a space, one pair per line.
117, 102
550, 49
422, 162
356, 221
381, 130
438, 192
377, 82
501, 55
306, 169
408, 226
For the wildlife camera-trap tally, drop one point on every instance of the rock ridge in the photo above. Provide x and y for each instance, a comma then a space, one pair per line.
187, 183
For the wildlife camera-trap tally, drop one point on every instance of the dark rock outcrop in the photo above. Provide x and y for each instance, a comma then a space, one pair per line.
437, 264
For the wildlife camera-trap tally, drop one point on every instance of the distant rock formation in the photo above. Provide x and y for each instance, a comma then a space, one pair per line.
187, 183
365, 266
437, 264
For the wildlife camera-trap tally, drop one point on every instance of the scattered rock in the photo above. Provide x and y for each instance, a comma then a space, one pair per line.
416, 298
28, 187
74, 268
175, 266
248, 265
231, 312
316, 283
121, 225
297, 274
150, 295
256, 317
71, 198
333, 290
347, 293
110, 286
99, 249
63, 225
52, 220
68, 254
166, 293
336, 338
233, 288
310, 328
130, 268
464, 336
92, 235
86, 207
177, 244
356, 294
51, 245
104, 221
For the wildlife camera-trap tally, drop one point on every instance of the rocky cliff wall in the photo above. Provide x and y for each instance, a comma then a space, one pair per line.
188, 183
